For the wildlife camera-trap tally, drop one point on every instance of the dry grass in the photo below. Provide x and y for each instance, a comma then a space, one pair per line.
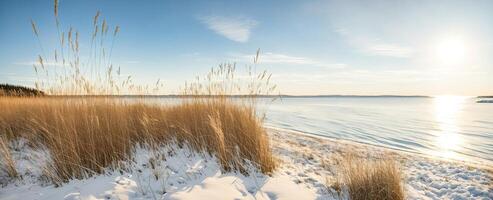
365, 179
87, 135
7, 162
83, 72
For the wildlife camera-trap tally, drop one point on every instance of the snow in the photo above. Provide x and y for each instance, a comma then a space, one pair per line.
424, 177
231, 187
307, 165
180, 174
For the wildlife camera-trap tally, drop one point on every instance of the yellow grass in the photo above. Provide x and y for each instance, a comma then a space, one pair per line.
8, 164
370, 179
87, 135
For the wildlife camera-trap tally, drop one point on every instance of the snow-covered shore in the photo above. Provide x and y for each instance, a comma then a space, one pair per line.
307, 167
311, 159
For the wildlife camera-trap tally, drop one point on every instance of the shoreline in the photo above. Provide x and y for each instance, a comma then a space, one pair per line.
377, 148
308, 169
313, 160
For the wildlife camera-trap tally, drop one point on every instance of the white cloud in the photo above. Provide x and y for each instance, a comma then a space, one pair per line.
236, 29
274, 58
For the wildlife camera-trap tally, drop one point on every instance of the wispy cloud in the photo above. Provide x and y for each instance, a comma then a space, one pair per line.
376, 46
275, 58
359, 76
236, 29
390, 50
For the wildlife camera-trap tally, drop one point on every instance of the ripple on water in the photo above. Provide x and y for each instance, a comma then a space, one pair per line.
454, 124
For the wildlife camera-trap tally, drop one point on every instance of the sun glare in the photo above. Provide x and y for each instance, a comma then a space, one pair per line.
446, 110
451, 50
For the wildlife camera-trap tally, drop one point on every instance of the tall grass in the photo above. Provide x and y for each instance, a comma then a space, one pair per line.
8, 163
365, 179
69, 70
87, 135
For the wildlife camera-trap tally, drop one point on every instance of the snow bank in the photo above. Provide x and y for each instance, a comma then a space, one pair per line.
167, 173
307, 166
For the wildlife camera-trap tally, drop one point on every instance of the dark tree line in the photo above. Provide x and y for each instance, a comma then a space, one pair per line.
15, 90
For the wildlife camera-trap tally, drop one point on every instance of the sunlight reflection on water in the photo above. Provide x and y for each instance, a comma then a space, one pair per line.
450, 127
447, 112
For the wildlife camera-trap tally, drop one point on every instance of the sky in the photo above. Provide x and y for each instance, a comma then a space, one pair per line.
311, 47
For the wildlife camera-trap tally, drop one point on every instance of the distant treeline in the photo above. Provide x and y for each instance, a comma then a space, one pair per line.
485, 96
15, 90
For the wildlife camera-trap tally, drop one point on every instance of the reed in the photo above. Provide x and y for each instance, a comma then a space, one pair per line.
85, 136
365, 179
7, 162
88, 135
64, 72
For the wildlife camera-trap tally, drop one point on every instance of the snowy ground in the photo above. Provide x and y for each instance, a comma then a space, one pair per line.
308, 164
312, 161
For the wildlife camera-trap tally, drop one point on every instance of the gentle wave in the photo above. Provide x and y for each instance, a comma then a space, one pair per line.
450, 127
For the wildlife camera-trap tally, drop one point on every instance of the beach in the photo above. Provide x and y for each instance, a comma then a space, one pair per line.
425, 177
326, 100
308, 167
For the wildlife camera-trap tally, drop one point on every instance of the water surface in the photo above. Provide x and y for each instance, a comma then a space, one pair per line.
447, 127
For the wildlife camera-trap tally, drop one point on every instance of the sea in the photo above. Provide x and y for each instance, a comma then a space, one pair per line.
449, 127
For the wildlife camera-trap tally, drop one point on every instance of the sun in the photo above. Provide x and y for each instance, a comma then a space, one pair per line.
451, 50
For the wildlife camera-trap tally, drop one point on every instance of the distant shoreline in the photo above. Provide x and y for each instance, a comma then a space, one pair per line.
258, 96
247, 96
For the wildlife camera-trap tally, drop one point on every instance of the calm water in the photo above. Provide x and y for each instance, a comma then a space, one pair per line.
448, 127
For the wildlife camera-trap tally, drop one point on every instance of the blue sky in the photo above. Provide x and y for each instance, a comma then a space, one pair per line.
311, 47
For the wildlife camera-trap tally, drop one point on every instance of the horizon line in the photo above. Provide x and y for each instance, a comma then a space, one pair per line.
262, 96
